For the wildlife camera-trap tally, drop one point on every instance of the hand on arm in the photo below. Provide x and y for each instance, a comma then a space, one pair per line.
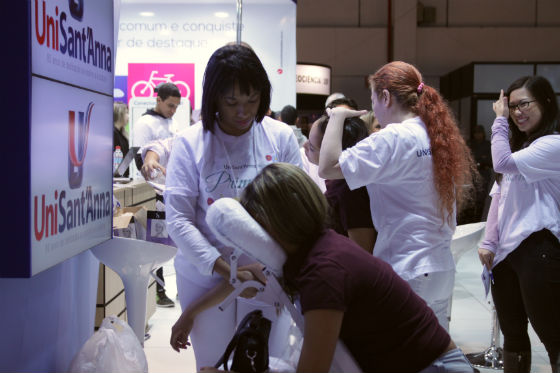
244, 273
151, 165
321, 332
331, 148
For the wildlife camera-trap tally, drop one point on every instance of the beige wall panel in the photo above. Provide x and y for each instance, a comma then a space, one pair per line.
373, 13
441, 10
354, 87
334, 13
359, 51
316, 45
548, 13
349, 51
404, 41
492, 12
441, 50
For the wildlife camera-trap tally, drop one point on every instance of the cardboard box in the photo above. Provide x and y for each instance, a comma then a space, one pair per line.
130, 222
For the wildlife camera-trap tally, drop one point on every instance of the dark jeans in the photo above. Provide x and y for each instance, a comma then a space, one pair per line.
159, 274
527, 285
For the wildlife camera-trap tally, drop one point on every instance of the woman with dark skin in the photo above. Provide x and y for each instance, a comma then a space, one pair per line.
212, 159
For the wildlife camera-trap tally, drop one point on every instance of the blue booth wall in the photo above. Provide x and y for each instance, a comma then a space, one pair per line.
46, 319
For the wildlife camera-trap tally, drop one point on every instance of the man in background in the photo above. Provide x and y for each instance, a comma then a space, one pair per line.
155, 124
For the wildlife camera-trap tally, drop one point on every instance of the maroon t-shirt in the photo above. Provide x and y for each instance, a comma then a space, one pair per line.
386, 326
349, 208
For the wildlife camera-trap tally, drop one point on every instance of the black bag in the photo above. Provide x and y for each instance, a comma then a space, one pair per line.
250, 343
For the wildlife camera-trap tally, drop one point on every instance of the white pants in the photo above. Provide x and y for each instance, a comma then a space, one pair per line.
213, 329
436, 289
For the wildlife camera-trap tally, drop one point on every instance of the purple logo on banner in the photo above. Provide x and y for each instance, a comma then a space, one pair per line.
77, 155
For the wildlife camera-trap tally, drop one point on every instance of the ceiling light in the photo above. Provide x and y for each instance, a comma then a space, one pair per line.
221, 14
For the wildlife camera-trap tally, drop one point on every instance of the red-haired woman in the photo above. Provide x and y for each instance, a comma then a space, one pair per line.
415, 170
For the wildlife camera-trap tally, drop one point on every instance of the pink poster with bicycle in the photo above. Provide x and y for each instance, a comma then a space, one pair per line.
144, 77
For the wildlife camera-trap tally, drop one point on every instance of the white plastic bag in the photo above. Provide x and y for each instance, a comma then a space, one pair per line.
112, 348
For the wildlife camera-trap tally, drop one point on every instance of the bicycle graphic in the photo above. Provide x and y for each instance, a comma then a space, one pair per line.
140, 87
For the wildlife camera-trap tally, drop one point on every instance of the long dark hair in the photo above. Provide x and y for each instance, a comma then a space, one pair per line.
353, 131
541, 90
227, 66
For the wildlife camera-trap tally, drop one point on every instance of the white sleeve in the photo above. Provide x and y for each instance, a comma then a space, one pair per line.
291, 153
539, 160
142, 133
181, 196
161, 147
368, 161
180, 212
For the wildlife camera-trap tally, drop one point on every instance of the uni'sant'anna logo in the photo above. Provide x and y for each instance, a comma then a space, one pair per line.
76, 9
77, 145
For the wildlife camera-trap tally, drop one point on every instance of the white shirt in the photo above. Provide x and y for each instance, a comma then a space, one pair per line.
151, 127
530, 200
395, 164
204, 167
162, 147
312, 170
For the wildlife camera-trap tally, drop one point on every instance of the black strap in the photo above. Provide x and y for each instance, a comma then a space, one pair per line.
229, 349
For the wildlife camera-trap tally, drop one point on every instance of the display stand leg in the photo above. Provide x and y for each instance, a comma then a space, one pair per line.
492, 357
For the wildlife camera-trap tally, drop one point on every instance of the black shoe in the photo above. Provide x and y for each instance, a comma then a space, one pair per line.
163, 301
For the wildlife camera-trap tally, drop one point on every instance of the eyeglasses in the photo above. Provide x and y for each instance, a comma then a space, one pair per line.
522, 106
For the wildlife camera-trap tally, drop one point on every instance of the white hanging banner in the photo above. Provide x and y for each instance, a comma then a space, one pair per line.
188, 33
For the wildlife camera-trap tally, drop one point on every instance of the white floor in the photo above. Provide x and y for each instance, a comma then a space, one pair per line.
470, 326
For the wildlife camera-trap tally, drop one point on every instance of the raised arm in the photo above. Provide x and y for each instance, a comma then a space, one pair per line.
331, 147
501, 151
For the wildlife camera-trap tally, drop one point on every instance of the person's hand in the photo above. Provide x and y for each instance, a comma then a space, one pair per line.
151, 168
344, 112
486, 257
180, 332
251, 272
256, 270
501, 107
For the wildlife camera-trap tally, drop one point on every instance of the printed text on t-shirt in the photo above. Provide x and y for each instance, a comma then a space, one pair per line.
423, 152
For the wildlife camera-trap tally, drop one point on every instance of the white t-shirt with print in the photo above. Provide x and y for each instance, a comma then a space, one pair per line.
530, 200
204, 167
150, 127
395, 164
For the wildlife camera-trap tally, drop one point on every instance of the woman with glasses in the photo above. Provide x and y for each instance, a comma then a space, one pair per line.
415, 169
521, 245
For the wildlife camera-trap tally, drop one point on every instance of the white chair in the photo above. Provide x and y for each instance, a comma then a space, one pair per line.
235, 228
467, 237
133, 260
